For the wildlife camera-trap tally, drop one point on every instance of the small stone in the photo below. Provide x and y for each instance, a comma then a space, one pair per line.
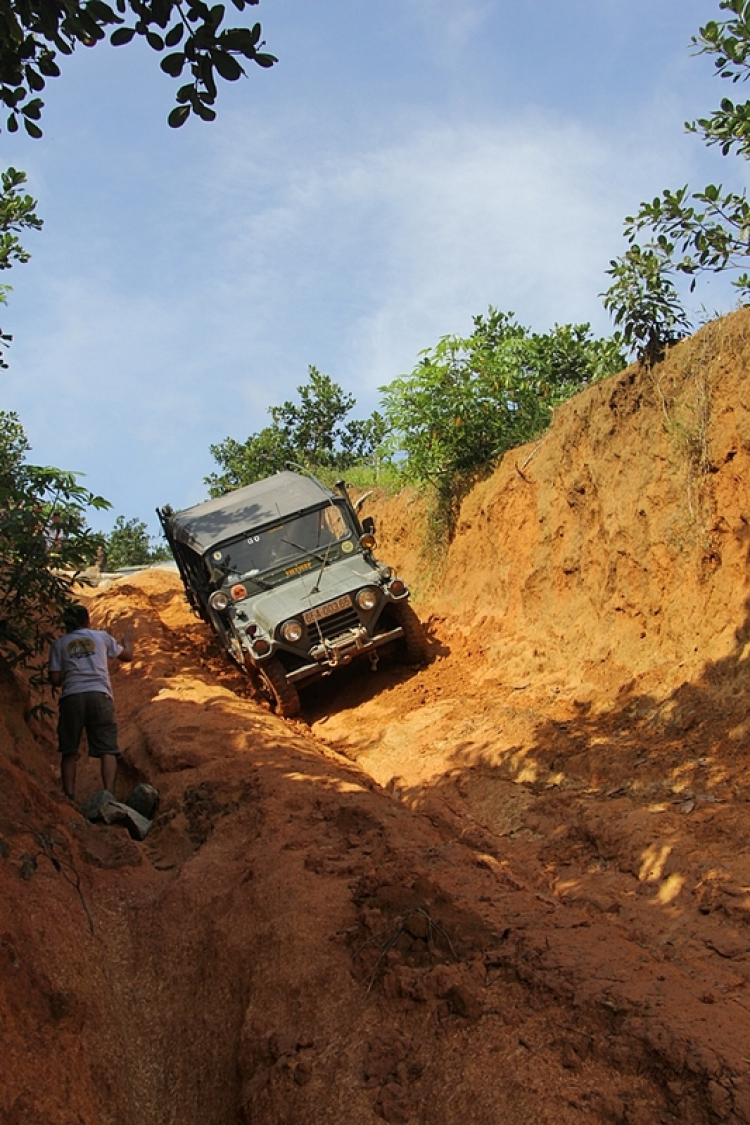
571, 1060
28, 865
91, 809
303, 1072
145, 800
117, 813
103, 806
465, 1002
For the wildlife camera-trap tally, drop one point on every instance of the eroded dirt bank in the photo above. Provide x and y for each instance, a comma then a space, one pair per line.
511, 886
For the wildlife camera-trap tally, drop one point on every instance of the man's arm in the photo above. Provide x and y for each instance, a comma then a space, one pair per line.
127, 646
54, 669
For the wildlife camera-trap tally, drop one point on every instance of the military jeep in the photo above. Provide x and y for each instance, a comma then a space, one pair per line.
283, 571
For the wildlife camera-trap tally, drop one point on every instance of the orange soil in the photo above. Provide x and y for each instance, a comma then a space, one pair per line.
512, 886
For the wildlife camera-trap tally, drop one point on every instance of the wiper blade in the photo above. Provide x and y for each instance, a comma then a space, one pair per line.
306, 550
253, 576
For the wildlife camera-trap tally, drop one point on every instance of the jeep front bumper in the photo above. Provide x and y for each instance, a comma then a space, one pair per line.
337, 651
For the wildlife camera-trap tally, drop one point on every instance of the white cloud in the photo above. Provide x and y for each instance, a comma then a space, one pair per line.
401, 242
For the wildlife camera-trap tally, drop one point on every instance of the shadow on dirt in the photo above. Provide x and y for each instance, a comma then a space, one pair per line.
691, 744
352, 686
636, 815
357, 683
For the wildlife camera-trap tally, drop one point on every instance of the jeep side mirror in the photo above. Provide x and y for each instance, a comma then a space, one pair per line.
368, 525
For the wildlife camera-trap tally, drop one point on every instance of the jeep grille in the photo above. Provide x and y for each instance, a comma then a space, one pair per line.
333, 626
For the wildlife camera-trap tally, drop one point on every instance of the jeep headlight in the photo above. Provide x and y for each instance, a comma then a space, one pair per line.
218, 600
291, 631
367, 599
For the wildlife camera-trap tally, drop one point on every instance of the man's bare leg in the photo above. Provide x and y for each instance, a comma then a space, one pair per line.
109, 771
68, 775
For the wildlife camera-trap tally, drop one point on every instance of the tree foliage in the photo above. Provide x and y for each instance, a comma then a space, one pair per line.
188, 34
470, 399
17, 213
689, 232
311, 433
44, 543
644, 303
129, 544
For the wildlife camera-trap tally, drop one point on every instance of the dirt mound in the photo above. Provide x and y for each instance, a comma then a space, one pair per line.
512, 885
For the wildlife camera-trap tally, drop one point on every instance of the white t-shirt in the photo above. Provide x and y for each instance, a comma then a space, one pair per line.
82, 658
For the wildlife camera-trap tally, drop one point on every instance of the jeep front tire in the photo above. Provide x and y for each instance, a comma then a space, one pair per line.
275, 687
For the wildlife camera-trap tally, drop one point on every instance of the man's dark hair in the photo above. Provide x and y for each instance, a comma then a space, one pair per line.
76, 617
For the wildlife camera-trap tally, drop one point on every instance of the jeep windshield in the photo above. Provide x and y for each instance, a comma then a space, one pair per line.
280, 552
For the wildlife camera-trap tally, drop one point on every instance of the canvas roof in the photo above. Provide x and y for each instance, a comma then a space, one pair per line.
257, 504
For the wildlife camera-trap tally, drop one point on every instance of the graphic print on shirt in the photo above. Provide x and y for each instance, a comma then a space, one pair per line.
79, 648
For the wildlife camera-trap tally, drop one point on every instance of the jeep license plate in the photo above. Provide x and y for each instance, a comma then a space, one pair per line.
326, 610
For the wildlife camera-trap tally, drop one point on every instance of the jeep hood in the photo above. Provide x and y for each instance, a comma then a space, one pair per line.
310, 589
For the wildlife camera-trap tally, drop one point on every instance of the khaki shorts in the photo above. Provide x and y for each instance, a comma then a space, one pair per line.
90, 711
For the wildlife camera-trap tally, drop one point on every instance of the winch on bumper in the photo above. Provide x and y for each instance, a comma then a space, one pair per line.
342, 649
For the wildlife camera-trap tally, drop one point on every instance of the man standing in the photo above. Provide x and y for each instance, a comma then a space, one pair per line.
78, 664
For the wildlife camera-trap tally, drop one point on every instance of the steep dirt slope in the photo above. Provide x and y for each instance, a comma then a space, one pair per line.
510, 886
619, 542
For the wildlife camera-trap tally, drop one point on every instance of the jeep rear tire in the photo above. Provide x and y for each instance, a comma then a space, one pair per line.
414, 641
283, 696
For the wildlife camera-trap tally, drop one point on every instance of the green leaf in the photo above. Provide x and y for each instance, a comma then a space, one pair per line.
204, 111
215, 16
173, 64
33, 109
178, 116
174, 35
227, 66
47, 65
266, 60
101, 12
121, 36
155, 41
161, 12
35, 81
32, 129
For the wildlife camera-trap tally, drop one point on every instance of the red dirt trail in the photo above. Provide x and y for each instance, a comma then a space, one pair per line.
512, 886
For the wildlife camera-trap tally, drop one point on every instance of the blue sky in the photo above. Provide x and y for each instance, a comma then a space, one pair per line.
405, 165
